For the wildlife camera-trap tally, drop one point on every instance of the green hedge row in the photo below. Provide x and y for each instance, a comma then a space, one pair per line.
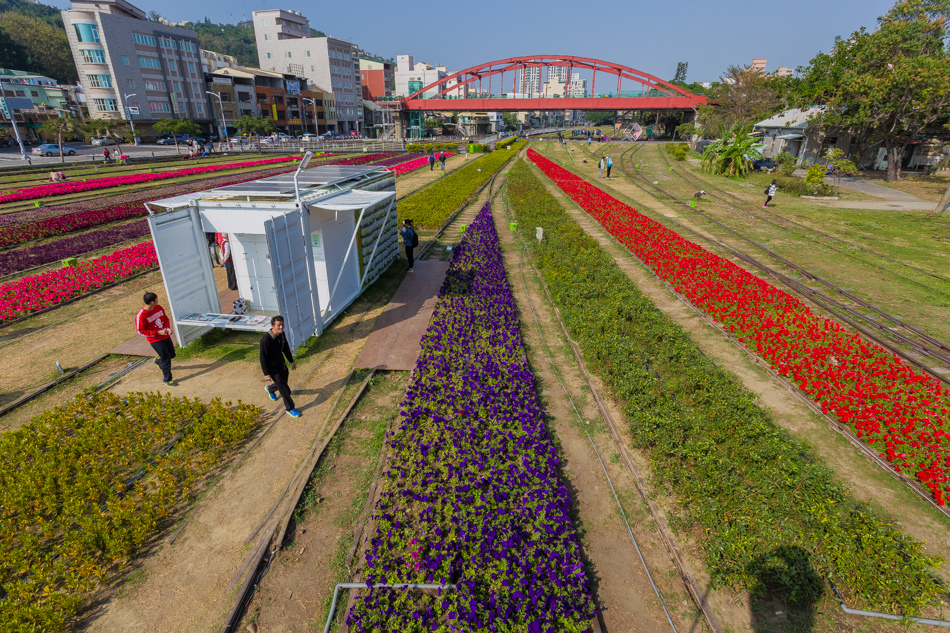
769, 517
430, 207
432, 147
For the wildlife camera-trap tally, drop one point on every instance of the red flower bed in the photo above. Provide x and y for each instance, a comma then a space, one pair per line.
30, 294
360, 160
59, 189
405, 168
885, 402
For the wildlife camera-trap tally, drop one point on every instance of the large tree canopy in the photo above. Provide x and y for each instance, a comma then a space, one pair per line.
744, 96
888, 85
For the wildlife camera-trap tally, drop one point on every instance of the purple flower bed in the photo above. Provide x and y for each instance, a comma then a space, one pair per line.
472, 496
395, 160
31, 256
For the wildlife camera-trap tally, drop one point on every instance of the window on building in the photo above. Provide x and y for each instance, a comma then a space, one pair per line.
270, 55
200, 108
280, 115
106, 105
306, 54
261, 97
99, 81
34, 93
20, 93
93, 56
278, 99
129, 83
191, 67
313, 68
177, 87
154, 85
87, 32
150, 62
287, 54
146, 40
159, 106
266, 37
225, 97
265, 22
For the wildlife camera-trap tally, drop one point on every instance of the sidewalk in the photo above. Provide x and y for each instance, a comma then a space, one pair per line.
890, 198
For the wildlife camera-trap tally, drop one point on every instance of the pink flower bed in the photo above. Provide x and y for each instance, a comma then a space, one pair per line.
412, 165
31, 294
59, 189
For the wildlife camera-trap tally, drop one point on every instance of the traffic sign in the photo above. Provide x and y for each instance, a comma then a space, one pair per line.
132, 109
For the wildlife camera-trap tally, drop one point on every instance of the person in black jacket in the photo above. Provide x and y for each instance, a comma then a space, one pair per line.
274, 349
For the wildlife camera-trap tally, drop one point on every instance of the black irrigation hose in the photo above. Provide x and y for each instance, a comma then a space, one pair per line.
815, 296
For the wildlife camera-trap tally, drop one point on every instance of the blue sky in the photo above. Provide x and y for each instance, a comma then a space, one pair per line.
649, 36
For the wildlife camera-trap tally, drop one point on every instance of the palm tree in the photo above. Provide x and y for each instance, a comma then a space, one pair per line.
58, 128
733, 153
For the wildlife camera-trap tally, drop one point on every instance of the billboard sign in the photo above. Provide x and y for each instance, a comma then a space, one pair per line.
293, 87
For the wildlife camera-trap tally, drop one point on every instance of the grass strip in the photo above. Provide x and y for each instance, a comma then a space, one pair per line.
430, 207
769, 517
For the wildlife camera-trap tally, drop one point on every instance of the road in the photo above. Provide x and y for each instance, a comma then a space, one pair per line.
10, 156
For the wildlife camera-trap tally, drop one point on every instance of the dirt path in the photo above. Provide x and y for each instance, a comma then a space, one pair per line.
184, 587
623, 593
916, 518
295, 595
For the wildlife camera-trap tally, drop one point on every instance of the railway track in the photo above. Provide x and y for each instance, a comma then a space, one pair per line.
911, 343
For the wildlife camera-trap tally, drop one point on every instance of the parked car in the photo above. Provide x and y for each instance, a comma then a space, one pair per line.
764, 164
52, 149
103, 140
169, 140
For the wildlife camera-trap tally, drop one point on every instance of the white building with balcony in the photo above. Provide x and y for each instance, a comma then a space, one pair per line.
284, 45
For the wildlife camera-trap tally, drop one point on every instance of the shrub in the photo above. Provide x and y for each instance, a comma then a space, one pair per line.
786, 163
414, 147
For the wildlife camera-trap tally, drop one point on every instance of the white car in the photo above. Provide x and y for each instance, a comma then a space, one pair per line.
52, 149
99, 140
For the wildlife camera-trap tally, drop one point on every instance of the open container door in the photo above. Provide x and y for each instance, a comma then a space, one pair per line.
291, 258
186, 268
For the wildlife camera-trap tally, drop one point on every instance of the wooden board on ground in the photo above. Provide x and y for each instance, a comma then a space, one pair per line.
138, 346
396, 341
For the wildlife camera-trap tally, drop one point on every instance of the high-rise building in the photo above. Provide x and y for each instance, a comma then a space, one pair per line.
284, 45
783, 71
412, 77
126, 61
530, 83
376, 78
759, 64
577, 87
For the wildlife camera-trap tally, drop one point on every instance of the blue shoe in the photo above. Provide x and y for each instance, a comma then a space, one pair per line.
273, 396
294, 413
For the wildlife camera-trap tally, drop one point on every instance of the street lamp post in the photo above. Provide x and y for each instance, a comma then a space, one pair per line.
129, 112
16, 130
222, 125
314, 114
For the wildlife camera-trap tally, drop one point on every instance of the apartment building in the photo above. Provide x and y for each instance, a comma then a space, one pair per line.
376, 79
212, 61
128, 64
410, 77
284, 45
290, 101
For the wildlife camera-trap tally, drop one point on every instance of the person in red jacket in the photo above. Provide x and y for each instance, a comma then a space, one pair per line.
152, 323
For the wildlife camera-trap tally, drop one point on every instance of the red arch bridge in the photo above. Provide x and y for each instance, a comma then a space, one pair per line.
494, 86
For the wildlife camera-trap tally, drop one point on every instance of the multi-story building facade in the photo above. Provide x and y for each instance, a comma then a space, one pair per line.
577, 87
212, 61
125, 61
284, 45
376, 79
411, 77
530, 81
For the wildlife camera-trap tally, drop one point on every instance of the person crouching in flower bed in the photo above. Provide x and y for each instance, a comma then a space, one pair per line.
152, 323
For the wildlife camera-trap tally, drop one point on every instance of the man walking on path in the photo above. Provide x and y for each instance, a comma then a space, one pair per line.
224, 251
442, 160
274, 349
152, 323
600, 167
431, 160
410, 240
610, 163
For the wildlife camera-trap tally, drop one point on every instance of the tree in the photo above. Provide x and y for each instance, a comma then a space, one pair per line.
733, 153
248, 125
884, 86
57, 129
600, 117
745, 96
43, 45
168, 126
680, 75
510, 121
115, 128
